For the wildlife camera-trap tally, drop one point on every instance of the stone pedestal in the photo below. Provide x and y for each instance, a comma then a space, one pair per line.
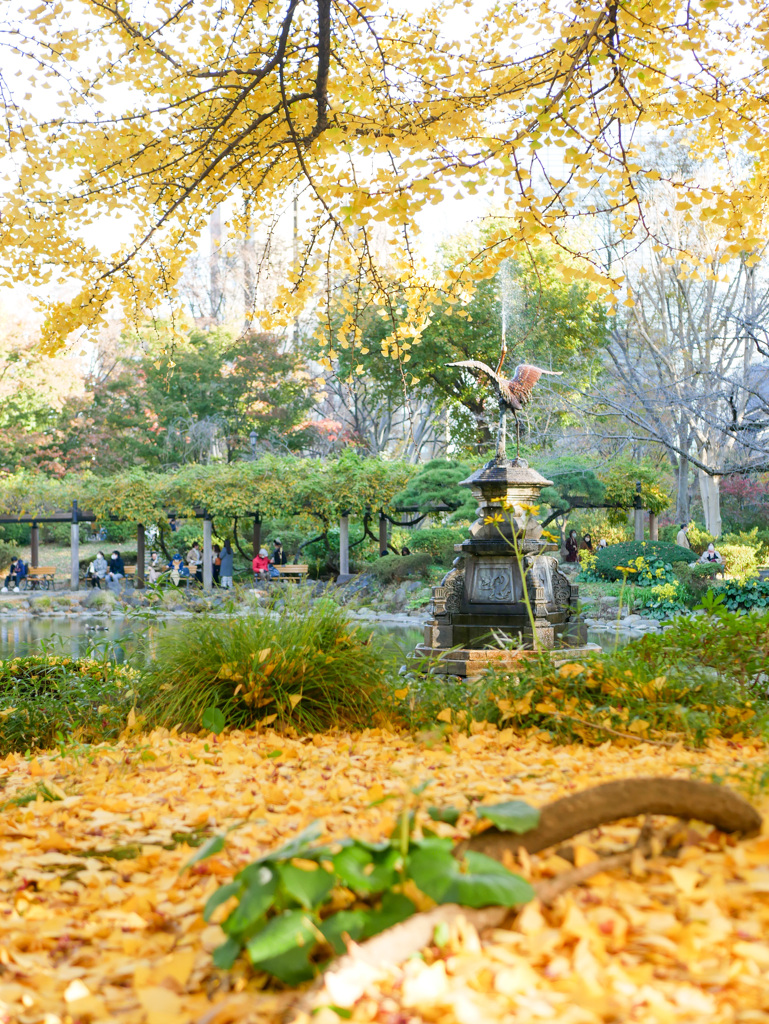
480, 615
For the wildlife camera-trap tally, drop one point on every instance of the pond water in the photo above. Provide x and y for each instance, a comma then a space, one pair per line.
123, 637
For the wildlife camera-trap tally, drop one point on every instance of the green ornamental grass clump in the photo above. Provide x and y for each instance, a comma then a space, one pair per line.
615, 555
306, 666
44, 698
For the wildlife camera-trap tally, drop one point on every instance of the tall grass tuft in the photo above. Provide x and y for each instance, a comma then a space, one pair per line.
306, 665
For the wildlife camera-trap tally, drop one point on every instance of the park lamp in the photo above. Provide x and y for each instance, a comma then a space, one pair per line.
252, 437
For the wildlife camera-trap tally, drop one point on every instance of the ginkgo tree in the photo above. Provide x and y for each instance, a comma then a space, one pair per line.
163, 110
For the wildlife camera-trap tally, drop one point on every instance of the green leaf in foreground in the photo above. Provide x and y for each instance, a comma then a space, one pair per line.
395, 908
345, 922
224, 956
213, 845
281, 935
254, 903
448, 814
296, 847
364, 870
221, 895
213, 720
308, 887
475, 881
511, 816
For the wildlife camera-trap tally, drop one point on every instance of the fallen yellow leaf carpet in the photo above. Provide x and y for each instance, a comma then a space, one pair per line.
99, 923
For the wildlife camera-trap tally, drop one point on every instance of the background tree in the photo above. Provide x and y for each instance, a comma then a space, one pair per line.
547, 320
683, 369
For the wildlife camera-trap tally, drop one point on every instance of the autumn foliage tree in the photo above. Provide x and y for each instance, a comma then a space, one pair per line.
371, 112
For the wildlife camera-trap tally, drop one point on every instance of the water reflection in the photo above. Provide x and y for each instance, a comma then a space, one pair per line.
126, 639
77, 638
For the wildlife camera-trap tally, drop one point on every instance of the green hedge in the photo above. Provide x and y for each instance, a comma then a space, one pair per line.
437, 541
624, 554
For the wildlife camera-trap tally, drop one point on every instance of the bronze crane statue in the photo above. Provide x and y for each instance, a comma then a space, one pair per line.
511, 394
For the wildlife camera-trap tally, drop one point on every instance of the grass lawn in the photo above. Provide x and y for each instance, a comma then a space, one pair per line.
99, 923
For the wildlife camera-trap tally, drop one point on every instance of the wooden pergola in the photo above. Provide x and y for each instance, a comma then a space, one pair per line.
75, 516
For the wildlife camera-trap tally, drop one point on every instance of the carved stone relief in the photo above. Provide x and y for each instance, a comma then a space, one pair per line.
453, 585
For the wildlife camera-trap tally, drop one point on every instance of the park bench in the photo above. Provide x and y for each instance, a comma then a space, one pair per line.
290, 574
39, 577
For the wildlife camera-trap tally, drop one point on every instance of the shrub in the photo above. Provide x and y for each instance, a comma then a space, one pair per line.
438, 542
695, 577
699, 538
624, 554
699, 678
400, 567
755, 538
44, 696
740, 560
310, 668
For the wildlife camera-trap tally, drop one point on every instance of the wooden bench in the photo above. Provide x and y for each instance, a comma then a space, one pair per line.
290, 574
39, 577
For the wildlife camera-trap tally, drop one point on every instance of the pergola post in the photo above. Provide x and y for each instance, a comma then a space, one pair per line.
74, 580
639, 513
344, 547
654, 526
139, 578
34, 545
382, 533
257, 534
208, 556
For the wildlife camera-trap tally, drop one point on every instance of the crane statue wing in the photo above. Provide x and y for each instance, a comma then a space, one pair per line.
526, 376
476, 364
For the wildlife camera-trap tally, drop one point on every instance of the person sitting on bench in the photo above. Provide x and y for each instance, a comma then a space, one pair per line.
97, 571
261, 565
16, 574
115, 570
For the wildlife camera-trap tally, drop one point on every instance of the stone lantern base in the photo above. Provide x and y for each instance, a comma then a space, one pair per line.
480, 613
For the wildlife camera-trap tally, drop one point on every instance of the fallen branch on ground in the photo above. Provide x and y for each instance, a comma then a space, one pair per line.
561, 820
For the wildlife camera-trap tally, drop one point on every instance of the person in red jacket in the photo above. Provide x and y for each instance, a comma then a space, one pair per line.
261, 565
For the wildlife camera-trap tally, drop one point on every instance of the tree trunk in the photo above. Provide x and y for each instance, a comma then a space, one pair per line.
710, 493
682, 490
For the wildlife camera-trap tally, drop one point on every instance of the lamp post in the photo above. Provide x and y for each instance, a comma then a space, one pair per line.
252, 437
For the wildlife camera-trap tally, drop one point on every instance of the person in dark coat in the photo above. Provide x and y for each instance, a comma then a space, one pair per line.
278, 554
572, 547
116, 569
226, 568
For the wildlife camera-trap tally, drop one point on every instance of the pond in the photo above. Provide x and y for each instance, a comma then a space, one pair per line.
123, 636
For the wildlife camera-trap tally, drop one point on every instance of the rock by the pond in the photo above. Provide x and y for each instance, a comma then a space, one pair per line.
101, 599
